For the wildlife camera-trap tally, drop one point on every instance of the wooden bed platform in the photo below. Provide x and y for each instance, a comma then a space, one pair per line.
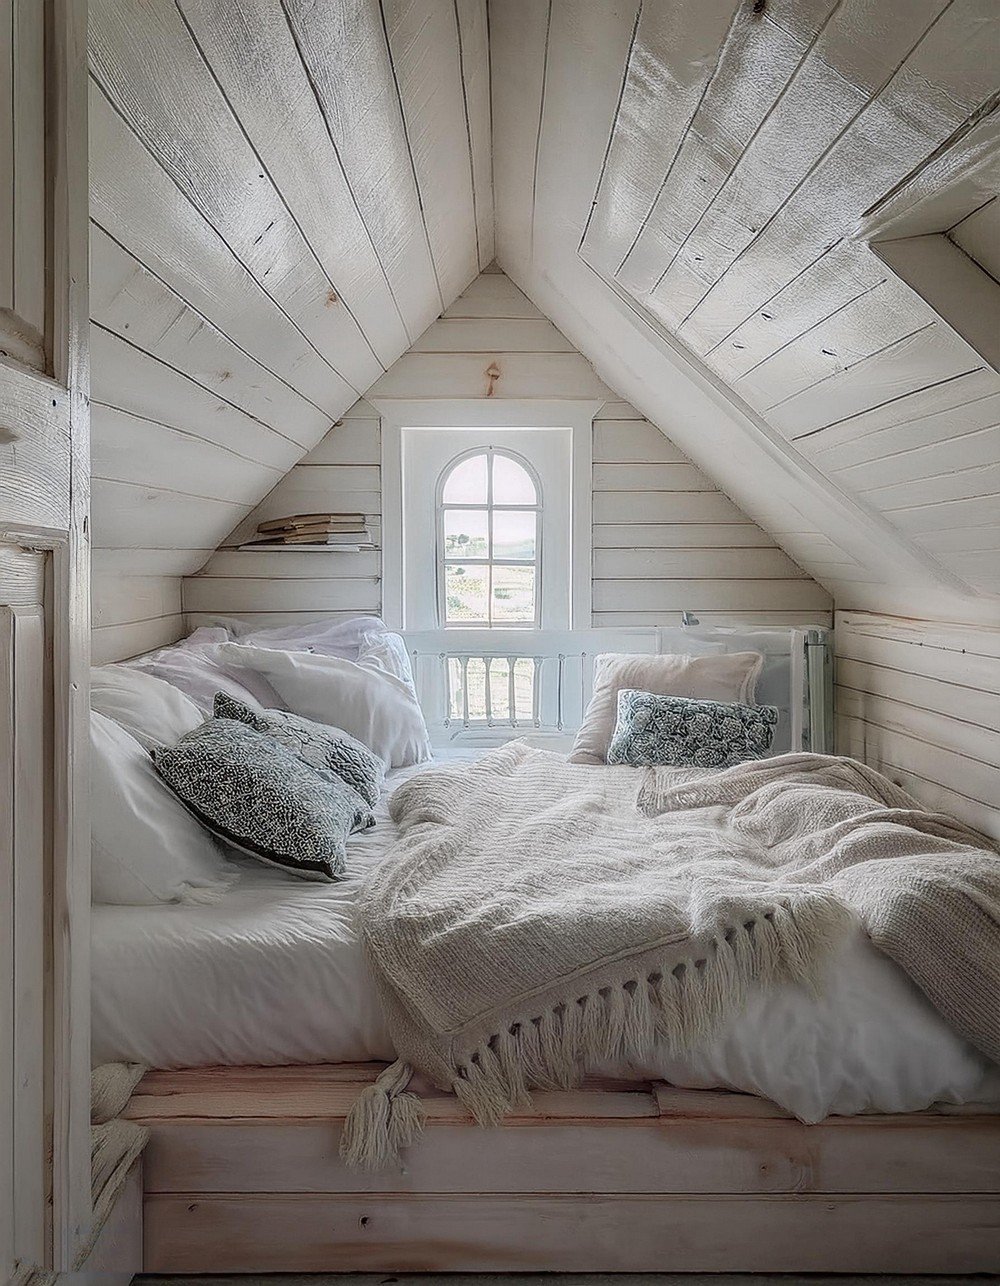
242, 1175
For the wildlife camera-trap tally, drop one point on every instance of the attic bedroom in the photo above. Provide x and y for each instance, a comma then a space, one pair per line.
500, 634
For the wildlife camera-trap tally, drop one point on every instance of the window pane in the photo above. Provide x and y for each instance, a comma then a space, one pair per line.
514, 534
466, 484
513, 594
511, 483
465, 533
466, 593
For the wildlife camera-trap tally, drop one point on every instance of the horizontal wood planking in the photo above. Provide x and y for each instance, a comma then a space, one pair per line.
154, 562
132, 614
489, 335
461, 374
119, 642
708, 595
120, 599
353, 441
195, 619
640, 480
492, 295
232, 595
922, 702
128, 448
181, 521
314, 564
646, 507
680, 1154
650, 477
251, 1130
711, 564
401, 1232
934, 777
679, 535
633, 441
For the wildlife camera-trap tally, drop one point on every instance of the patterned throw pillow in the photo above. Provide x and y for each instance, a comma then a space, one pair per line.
682, 731
328, 750
262, 799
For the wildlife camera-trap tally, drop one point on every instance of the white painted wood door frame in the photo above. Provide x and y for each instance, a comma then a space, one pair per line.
445, 413
44, 507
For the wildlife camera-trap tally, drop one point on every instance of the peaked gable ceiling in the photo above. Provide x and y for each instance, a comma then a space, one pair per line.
285, 194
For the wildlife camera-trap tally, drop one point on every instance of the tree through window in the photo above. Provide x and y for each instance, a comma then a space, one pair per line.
489, 503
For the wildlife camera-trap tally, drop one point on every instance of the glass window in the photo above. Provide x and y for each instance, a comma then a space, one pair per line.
489, 503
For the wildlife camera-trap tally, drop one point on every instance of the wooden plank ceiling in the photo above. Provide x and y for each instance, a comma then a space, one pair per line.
286, 194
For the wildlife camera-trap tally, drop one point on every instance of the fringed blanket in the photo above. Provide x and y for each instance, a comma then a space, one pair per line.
538, 917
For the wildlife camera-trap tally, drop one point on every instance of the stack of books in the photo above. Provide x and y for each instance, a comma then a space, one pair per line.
310, 531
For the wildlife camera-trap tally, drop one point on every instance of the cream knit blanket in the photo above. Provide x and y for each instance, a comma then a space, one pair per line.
537, 917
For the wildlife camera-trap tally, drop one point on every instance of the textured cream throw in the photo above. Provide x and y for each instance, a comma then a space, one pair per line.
537, 917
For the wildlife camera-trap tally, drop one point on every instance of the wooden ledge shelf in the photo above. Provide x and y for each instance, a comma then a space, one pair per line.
242, 1174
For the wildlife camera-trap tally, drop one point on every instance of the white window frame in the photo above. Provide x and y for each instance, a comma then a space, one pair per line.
477, 414
442, 560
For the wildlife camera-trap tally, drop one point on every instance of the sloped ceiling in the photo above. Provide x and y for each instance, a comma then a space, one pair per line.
286, 193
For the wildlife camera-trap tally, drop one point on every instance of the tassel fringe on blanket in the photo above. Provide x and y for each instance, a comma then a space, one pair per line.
672, 1004
538, 918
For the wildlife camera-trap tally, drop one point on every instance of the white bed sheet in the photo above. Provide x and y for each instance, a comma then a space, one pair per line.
273, 973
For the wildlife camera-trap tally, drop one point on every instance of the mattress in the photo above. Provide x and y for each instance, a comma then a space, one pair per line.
273, 974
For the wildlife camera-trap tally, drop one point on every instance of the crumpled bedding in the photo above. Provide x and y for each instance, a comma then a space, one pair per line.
274, 974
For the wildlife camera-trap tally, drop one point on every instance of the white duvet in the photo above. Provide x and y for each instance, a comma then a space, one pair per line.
274, 974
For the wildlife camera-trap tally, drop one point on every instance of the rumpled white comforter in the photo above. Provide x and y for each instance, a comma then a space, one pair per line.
274, 974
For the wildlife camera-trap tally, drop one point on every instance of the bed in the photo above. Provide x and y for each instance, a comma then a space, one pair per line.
266, 1028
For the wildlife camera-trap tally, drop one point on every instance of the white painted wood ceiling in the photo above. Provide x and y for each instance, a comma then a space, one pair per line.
286, 193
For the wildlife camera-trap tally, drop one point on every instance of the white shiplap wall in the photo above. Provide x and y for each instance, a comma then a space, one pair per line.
922, 703
665, 538
283, 196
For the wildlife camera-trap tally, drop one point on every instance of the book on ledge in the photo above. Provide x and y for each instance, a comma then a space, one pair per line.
352, 541
314, 522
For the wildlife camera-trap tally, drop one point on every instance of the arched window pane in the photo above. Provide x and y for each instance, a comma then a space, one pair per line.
466, 484
466, 533
512, 484
513, 594
514, 534
466, 593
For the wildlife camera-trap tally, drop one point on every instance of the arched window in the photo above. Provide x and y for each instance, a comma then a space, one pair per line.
489, 537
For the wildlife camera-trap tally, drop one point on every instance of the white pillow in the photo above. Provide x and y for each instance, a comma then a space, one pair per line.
154, 712
145, 846
722, 676
327, 637
378, 708
195, 670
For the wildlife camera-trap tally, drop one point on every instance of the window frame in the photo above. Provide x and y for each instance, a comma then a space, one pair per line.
398, 413
441, 559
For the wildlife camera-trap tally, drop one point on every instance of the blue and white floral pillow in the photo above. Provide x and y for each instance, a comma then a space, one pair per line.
685, 732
